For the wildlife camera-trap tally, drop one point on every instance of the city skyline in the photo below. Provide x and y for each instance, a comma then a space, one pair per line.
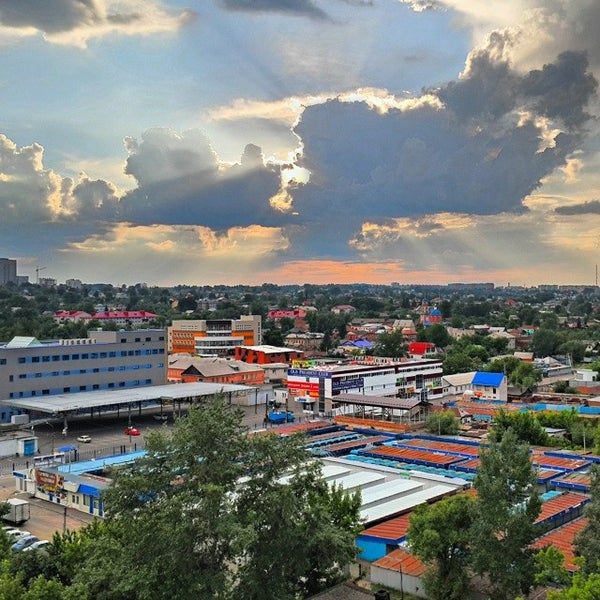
375, 141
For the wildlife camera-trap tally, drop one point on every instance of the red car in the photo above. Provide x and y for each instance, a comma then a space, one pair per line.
132, 431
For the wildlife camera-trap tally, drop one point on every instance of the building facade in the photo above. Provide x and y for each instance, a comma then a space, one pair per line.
106, 360
8, 271
187, 369
375, 377
214, 337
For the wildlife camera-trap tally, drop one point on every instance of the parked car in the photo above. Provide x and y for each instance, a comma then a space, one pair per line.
39, 545
24, 542
16, 534
84, 439
131, 431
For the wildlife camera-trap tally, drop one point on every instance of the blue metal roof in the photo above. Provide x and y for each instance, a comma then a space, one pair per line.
101, 462
488, 379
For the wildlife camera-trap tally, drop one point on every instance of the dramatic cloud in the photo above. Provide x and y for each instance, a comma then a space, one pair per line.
587, 208
180, 181
76, 21
482, 150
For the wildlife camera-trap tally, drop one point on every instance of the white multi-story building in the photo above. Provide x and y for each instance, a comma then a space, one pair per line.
372, 377
104, 361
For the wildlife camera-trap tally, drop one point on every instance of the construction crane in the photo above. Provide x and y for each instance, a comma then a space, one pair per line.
37, 273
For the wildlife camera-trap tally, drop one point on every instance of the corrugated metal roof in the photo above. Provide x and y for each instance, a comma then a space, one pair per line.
84, 400
400, 560
389, 490
392, 530
357, 480
562, 539
423, 457
560, 505
405, 503
488, 379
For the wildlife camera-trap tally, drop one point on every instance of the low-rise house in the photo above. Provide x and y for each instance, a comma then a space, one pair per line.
188, 369
489, 386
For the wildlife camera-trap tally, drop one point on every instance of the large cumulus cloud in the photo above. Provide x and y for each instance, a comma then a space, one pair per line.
180, 181
495, 137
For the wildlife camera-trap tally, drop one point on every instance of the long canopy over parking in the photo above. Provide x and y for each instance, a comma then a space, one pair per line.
61, 404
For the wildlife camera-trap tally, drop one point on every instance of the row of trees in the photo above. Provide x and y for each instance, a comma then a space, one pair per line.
205, 514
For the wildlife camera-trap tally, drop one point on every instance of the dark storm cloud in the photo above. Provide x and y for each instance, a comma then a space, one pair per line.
305, 8
180, 182
562, 89
586, 208
489, 91
51, 17
474, 156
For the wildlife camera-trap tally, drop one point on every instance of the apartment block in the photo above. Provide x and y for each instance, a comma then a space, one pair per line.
8, 271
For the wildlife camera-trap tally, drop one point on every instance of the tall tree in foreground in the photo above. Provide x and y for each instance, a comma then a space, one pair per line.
439, 535
207, 514
505, 512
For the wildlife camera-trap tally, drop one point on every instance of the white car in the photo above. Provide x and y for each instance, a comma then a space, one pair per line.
16, 534
39, 545
84, 439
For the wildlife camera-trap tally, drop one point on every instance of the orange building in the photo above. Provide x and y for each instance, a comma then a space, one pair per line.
213, 337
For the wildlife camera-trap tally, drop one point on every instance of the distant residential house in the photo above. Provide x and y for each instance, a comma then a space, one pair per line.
126, 318
306, 341
298, 315
458, 383
355, 347
343, 309
511, 341
489, 386
421, 349
123, 318
524, 356
71, 316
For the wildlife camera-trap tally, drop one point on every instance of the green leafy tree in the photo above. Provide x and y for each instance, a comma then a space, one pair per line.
443, 423
587, 541
524, 426
183, 522
437, 334
545, 342
458, 362
550, 567
583, 587
439, 534
505, 512
525, 375
504, 365
389, 344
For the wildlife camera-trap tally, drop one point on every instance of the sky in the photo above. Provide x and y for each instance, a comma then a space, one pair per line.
301, 141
